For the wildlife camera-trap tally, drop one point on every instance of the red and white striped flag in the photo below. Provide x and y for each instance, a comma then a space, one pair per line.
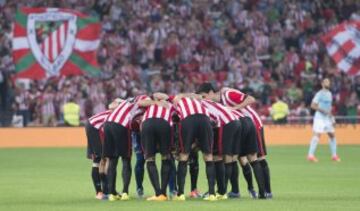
343, 45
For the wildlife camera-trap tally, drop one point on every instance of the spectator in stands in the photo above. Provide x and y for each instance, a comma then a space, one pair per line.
352, 104
47, 101
71, 113
252, 45
294, 94
302, 112
279, 111
22, 100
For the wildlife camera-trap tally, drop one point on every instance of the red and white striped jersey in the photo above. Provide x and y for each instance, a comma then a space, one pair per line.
223, 114
232, 97
156, 111
138, 98
189, 106
237, 114
99, 119
261, 42
125, 111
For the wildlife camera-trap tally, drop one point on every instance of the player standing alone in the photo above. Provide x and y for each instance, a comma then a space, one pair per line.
323, 121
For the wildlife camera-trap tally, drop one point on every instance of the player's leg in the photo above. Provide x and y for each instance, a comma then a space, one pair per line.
174, 151
140, 163
333, 147
92, 134
258, 173
245, 145
181, 174
206, 138
112, 172
153, 174
251, 149
164, 132
230, 136
210, 175
247, 173
194, 173
233, 176
219, 174
126, 161
95, 175
126, 176
148, 136
263, 163
172, 178
266, 172
166, 167
110, 153
318, 128
234, 179
186, 136
219, 161
313, 145
103, 176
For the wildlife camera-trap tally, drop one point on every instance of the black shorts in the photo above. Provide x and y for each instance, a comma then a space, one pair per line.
228, 136
248, 140
196, 128
261, 142
117, 140
94, 145
155, 136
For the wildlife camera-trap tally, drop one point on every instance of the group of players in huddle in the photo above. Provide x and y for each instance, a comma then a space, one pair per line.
219, 123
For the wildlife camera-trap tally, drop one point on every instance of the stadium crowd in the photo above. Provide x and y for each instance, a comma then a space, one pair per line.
266, 48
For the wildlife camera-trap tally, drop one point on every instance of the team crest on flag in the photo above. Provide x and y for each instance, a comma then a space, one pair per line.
53, 49
343, 45
51, 42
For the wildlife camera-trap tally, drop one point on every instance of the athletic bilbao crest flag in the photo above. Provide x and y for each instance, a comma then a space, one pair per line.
343, 45
52, 42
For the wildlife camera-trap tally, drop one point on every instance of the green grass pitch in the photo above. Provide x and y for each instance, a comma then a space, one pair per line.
59, 179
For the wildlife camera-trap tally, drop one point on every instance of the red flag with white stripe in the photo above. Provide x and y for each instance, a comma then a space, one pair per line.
343, 45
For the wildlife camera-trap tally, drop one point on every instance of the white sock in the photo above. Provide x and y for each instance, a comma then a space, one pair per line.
313, 144
332, 144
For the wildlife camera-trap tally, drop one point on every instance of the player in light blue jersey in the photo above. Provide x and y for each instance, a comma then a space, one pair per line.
323, 121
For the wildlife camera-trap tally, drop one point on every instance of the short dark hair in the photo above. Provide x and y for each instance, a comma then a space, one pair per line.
205, 88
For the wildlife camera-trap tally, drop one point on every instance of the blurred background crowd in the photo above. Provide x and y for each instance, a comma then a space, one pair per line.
270, 49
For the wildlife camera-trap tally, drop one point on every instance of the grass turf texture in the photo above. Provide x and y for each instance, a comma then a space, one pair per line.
59, 179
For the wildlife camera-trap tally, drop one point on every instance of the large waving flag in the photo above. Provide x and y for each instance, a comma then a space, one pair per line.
51, 42
343, 45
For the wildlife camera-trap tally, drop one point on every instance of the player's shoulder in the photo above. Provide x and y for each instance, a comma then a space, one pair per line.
319, 93
323, 93
231, 91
